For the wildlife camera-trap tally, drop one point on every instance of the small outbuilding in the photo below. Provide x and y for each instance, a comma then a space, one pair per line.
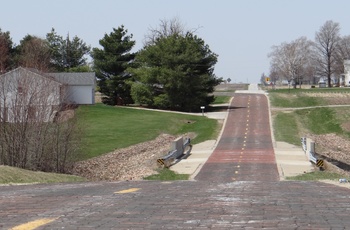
28, 95
80, 87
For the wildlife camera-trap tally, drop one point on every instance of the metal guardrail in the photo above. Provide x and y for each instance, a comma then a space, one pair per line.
308, 146
180, 149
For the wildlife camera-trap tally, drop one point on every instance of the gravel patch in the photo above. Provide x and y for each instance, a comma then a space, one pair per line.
131, 163
333, 146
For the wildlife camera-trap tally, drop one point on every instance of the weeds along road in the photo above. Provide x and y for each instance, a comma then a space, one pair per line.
237, 188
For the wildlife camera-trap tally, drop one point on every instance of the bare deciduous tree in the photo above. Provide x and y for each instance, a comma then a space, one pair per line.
342, 53
166, 28
30, 137
35, 53
292, 60
326, 42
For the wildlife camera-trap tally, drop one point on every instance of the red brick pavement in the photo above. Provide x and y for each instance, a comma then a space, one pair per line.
245, 151
178, 205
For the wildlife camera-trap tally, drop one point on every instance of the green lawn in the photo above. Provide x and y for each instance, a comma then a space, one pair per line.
320, 120
106, 128
221, 99
286, 128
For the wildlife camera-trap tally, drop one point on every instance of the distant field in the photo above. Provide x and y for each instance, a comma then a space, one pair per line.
231, 87
309, 97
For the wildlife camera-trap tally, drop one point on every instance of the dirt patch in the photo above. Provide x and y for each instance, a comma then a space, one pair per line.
63, 116
346, 126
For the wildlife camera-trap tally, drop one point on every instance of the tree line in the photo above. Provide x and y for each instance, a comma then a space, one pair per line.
174, 69
303, 59
53, 53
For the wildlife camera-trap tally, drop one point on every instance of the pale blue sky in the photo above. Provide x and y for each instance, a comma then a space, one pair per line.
240, 32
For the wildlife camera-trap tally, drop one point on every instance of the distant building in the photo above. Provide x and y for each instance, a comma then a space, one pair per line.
345, 78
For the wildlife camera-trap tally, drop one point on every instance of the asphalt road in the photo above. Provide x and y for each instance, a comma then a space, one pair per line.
238, 188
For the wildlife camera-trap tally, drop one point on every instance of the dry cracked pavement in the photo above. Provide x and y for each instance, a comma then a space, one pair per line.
237, 188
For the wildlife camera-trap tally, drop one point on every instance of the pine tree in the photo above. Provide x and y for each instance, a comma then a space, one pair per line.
175, 72
66, 54
110, 64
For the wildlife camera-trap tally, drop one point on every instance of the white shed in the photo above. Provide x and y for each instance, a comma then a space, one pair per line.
80, 86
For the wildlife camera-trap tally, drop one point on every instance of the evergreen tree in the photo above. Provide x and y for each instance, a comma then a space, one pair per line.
110, 64
175, 72
67, 54
6, 51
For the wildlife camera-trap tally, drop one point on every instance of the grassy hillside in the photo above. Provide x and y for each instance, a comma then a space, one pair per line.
11, 175
328, 113
107, 128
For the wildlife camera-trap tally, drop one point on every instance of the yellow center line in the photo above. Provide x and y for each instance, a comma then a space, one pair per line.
128, 190
34, 224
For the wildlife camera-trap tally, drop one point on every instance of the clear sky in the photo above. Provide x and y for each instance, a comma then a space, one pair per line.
241, 32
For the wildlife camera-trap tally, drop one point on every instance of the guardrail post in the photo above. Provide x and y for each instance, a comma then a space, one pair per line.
309, 149
177, 150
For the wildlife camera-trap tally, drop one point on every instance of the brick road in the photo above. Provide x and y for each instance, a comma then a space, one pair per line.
245, 151
224, 196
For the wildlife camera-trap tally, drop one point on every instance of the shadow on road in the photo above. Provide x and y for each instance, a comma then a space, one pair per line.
223, 108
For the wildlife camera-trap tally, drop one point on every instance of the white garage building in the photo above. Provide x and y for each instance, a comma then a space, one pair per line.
80, 86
